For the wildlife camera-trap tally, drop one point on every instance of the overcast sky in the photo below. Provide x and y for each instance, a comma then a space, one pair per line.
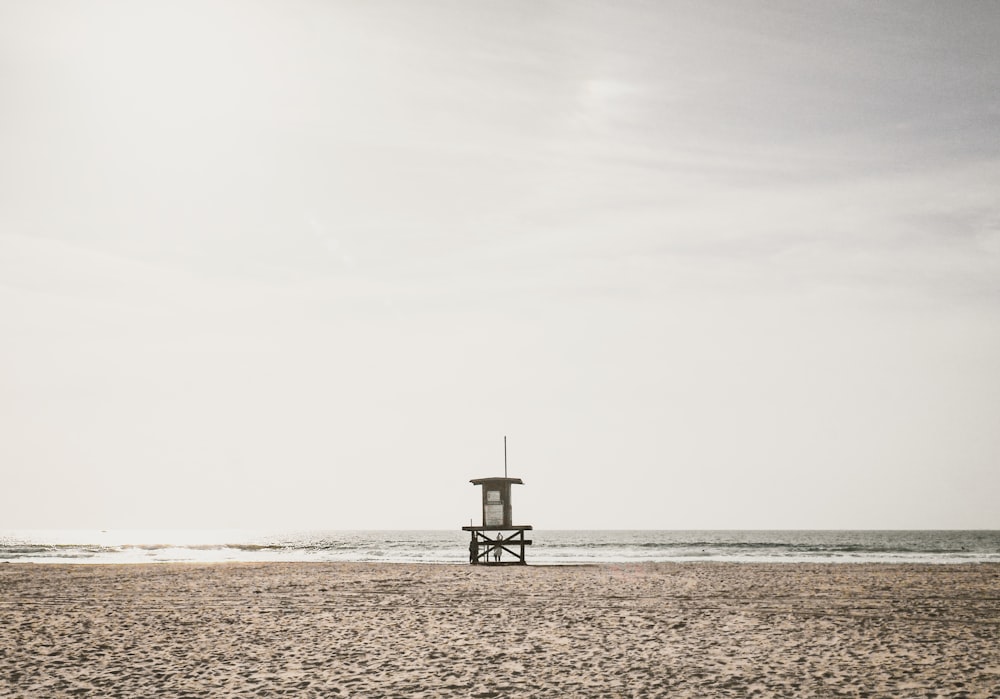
304, 264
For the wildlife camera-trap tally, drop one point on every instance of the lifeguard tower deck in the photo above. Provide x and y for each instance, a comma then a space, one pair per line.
497, 534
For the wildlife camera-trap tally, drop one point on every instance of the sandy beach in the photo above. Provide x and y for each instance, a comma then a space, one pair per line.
386, 630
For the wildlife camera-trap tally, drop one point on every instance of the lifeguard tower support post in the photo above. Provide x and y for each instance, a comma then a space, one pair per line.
497, 533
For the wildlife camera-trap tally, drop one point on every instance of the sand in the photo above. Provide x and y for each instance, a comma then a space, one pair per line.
385, 630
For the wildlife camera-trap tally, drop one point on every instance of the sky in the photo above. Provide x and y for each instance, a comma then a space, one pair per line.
304, 264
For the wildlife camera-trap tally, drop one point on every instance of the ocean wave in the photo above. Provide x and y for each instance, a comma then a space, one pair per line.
549, 546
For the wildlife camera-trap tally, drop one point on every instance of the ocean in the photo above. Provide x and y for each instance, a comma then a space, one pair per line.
549, 547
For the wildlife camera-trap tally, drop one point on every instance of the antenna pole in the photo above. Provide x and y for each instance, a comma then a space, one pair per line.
505, 456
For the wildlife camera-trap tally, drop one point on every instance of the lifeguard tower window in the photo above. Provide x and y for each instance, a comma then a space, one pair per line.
494, 509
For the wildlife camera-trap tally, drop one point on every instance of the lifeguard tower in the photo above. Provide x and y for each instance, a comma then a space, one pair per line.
497, 534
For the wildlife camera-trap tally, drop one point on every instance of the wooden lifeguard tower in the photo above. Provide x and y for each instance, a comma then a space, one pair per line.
498, 533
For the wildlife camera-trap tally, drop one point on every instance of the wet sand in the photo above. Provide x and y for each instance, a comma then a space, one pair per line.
386, 630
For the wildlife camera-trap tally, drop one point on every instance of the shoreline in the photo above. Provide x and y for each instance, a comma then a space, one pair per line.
530, 566
235, 629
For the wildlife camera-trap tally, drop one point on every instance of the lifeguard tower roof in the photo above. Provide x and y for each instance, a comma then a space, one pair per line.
498, 479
